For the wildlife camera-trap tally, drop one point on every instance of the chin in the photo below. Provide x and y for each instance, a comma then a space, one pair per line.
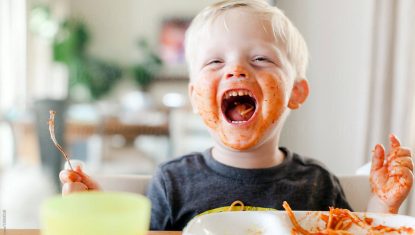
254, 142
238, 144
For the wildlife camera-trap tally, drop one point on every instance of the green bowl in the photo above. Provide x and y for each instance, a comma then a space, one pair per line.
96, 213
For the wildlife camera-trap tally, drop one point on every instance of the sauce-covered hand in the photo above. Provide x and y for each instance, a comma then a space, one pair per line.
391, 177
76, 181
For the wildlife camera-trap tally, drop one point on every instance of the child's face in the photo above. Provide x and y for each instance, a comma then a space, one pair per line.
241, 80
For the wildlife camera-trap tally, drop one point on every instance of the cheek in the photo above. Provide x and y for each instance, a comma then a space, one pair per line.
274, 91
205, 99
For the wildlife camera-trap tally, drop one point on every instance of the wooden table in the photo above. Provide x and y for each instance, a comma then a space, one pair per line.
113, 126
108, 126
37, 232
27, 145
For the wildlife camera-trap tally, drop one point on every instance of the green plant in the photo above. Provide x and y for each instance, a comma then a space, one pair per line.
69, 47
144, 72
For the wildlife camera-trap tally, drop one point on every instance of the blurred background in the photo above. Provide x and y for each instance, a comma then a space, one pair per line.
114, 72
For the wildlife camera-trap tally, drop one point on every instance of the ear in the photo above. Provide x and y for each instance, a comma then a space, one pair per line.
190, 90
299, 94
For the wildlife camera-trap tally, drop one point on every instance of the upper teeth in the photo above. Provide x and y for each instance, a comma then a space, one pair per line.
237, 93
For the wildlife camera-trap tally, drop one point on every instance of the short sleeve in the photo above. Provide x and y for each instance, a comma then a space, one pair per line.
160, 206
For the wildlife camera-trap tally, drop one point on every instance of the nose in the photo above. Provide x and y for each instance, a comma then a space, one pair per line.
237, 72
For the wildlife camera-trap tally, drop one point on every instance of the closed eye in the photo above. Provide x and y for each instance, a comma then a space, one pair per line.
262, 59
215, 61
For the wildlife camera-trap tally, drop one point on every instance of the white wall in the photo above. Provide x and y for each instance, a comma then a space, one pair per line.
331, 125
117, 25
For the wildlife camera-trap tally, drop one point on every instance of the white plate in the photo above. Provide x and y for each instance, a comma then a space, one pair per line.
276, 222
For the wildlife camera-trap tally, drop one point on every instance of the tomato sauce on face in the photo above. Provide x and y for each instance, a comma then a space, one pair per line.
270, 95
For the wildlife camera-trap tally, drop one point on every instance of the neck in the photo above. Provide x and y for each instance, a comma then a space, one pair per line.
265, 156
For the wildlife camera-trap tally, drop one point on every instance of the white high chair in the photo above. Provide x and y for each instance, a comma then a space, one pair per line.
124, 183
357, 190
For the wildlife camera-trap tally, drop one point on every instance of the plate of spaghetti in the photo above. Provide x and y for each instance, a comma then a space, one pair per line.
336, 221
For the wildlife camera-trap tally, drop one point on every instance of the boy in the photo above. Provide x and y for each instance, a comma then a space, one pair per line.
247, 66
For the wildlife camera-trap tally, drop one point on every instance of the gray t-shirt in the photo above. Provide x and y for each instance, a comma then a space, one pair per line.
190, 185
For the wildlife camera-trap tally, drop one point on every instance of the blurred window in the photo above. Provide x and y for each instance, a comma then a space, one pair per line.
12, 53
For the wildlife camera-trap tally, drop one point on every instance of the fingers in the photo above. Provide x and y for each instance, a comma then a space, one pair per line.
403, 162
378, 158
69, 176
87, 180
403, 152
396, 150
68, 188
394, 141
77, 175
400, 152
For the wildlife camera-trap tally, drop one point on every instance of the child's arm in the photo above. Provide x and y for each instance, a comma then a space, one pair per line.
391, 179
76, 181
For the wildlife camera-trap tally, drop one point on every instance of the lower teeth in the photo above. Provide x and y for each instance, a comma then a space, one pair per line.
237, 122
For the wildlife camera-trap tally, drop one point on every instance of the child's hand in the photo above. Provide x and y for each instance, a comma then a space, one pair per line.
391, 180
76, 181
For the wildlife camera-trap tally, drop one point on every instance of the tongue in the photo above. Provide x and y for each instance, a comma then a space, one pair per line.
240, 112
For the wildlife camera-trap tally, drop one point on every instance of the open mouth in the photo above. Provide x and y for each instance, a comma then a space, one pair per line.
238, 106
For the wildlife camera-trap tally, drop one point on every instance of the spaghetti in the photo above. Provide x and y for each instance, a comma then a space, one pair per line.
339, 221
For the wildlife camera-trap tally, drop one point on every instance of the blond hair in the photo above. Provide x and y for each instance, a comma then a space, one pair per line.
284, 31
